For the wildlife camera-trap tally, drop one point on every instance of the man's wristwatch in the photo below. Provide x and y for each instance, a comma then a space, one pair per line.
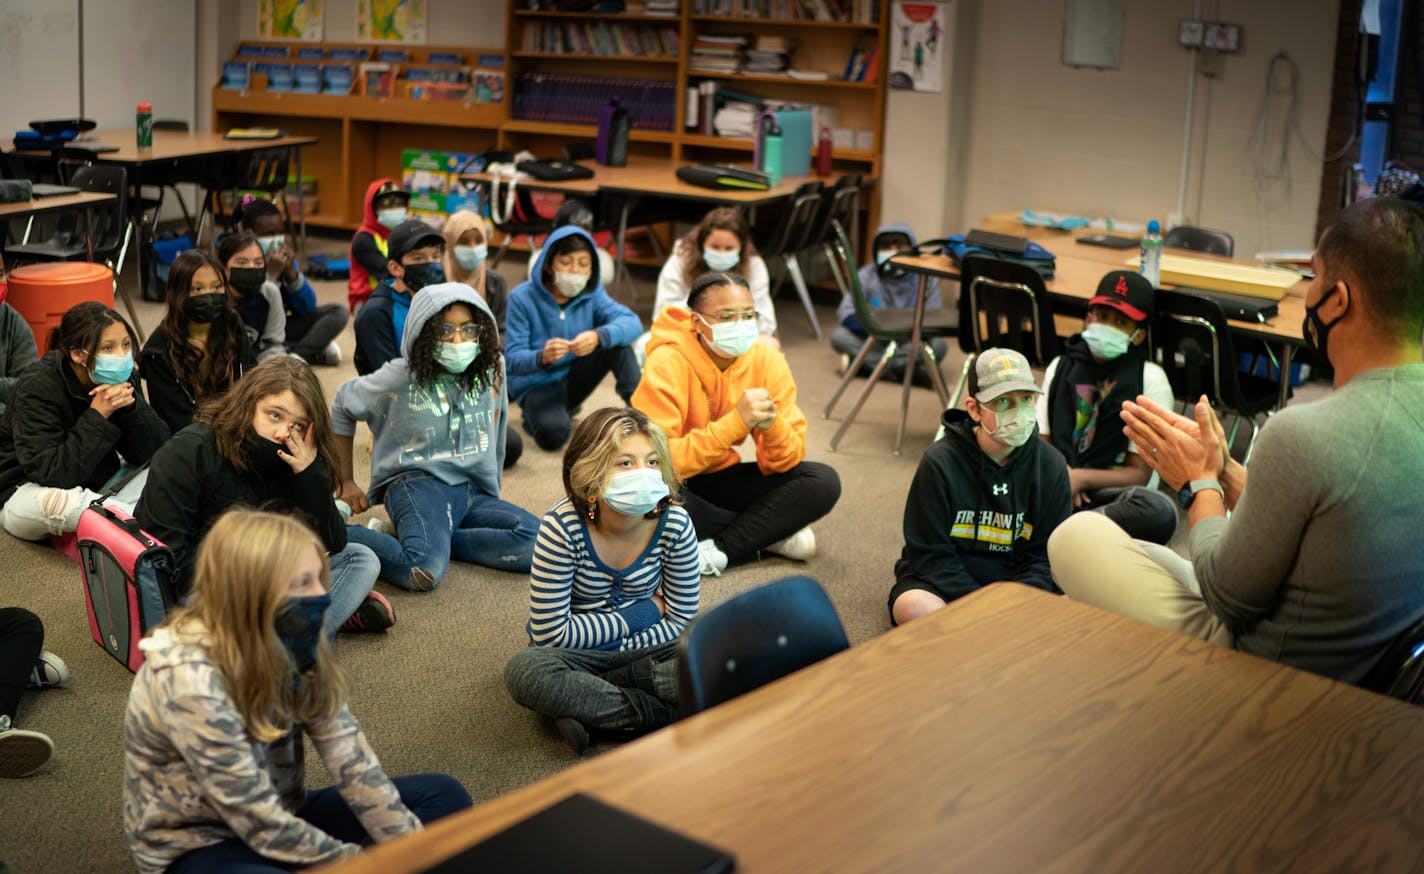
1196, 487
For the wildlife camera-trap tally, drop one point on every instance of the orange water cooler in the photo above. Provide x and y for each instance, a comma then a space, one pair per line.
42, 293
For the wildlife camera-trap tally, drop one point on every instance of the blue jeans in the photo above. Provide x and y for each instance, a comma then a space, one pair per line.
428, 796
436, 521
353, 575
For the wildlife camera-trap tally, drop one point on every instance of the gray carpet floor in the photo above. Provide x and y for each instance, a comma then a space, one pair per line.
429, 692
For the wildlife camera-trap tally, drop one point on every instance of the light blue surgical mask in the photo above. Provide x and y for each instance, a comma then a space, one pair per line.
1105, 341
455, 357
392, 217
883, 255
112, 369
471, 257
719, 260
734, 338
636, 492
270, 243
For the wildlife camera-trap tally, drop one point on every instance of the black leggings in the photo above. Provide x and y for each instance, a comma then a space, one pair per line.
309, 335
21, 638
546, 407
744, 511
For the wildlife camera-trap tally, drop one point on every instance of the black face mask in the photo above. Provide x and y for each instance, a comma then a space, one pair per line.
298, 626
203, 308
261, 455
247, 280
1315, 332
418, 276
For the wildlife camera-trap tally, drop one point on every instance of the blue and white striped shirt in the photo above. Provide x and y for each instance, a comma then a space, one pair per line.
577, 601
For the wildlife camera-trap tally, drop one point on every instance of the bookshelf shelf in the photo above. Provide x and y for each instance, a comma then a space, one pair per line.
785, 22
602, 16
568, 56
737, 144
783, 80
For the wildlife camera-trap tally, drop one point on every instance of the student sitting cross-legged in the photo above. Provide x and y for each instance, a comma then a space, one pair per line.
885, 285
1079, 411
438, 414
265, 443
214, 771
417, 253
615, 583
565, 335
76, 423
710, 385
985, 497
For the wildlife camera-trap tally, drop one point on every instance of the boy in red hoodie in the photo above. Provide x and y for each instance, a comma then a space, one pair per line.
386, 206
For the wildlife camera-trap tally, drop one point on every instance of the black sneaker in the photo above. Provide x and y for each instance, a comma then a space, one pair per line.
374, 614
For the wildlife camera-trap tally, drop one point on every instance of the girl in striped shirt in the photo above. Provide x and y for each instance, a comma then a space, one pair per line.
615, 581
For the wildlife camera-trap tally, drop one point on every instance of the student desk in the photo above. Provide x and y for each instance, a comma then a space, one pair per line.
1012, 731
28, 209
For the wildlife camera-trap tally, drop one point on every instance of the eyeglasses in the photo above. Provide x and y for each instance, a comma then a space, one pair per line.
1004, 403
469, 332
723, 318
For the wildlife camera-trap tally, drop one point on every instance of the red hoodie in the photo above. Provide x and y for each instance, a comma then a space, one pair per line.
362, 282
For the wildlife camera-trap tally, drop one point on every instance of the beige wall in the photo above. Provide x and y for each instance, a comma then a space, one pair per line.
1050, 137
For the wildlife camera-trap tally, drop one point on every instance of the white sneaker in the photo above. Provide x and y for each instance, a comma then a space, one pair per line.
844, 364
49, 672
381, 525
714, 560
22, 752
800, 546
331, 355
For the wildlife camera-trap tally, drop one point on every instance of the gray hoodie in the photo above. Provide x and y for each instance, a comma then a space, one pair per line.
453, 435
888, 291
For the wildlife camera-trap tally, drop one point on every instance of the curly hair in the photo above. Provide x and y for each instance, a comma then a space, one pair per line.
215, 367
723, 218
483, 372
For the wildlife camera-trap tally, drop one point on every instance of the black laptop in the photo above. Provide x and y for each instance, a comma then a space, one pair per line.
1241, 307
49, 189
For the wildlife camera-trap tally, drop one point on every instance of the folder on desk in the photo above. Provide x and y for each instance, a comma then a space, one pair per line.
584, 835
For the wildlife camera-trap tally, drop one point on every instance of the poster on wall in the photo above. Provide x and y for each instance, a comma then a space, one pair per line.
917, 46
391, 20
291, 19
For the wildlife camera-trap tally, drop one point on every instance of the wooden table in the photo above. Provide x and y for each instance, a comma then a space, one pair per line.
1014, 731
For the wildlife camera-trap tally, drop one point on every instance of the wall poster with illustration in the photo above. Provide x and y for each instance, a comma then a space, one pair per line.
917, 35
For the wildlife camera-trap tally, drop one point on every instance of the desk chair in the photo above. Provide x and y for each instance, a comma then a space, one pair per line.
1003, 304
103, 235
1400, 671
524, 220
839, 205
753, 638
265, 170
788, 237
1192, 342
891, 325
1200, 240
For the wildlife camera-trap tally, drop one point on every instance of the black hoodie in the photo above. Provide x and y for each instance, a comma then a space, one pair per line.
970, 522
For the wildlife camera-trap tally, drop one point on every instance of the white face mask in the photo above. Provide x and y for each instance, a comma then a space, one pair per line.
718, 260
1105, 341
733, 339
1011, 427
471, 257
883, 255
270, 243
392, 217
570, 284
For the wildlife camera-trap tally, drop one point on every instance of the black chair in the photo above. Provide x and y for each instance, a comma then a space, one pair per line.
1192, 342
838, 206
523, 220
187, 173
265, 170
1003, 304
788, 237
1400, 671
891, 325
1200, 240
754, 638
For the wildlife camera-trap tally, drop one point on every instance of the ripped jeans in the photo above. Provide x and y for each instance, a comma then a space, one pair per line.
34, 512
436, 521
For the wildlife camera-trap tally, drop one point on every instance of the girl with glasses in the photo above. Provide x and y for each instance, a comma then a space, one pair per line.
438, 415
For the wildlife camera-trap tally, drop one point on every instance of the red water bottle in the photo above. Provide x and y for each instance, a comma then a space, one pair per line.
823, 153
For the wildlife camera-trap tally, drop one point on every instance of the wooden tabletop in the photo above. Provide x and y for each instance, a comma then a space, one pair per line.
654, 177
52, 204
1014, 731
176, 145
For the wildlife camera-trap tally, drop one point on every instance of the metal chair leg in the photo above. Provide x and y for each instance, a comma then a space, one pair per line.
849, 375
963, 381
936, 378
842, 281
1251, 444
793, 267
864, 394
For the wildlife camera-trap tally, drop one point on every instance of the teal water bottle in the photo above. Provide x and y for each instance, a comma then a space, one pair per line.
771, 157
145, 125
1151, 260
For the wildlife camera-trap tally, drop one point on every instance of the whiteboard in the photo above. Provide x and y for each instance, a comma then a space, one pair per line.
136, 50
39, 69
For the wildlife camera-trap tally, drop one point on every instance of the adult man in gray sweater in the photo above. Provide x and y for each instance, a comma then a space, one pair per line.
1321, 564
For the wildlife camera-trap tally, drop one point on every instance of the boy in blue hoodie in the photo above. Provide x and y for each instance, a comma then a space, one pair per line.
564, 335
985, 498
416, 253
885, 285
438, 414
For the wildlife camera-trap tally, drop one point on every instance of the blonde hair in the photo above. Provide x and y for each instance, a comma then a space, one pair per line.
245, 566
595, 443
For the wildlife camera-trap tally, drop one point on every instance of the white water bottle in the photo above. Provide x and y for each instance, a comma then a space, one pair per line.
1151, 260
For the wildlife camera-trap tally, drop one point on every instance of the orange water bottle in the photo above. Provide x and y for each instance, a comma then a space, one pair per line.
145, 125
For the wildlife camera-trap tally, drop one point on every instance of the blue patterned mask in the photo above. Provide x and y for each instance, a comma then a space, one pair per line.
298, 626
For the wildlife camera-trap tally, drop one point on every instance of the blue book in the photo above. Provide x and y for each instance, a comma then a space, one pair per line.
247, 51
348, 54
394, 56
276, 52
307, 78
280, 78
236, 75
337, 79
310, 54
490, 61
445, 58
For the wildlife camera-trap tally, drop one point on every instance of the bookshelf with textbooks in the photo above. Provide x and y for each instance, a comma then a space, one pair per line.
366, 105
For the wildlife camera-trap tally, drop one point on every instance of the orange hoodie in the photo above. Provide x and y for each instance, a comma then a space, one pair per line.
696, 404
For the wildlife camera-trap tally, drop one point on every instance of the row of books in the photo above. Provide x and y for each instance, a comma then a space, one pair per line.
848, 11
668, 8
575, 99
600, 38
717, 54
374, 78
262, 52
863, 65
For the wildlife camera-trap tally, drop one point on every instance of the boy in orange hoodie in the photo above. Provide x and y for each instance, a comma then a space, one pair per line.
709, 385
386, 207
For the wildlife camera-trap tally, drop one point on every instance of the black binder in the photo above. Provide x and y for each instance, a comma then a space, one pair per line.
1241, 307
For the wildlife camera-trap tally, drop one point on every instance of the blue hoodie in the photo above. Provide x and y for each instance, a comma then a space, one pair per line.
887, 291
454, 436
535, 317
